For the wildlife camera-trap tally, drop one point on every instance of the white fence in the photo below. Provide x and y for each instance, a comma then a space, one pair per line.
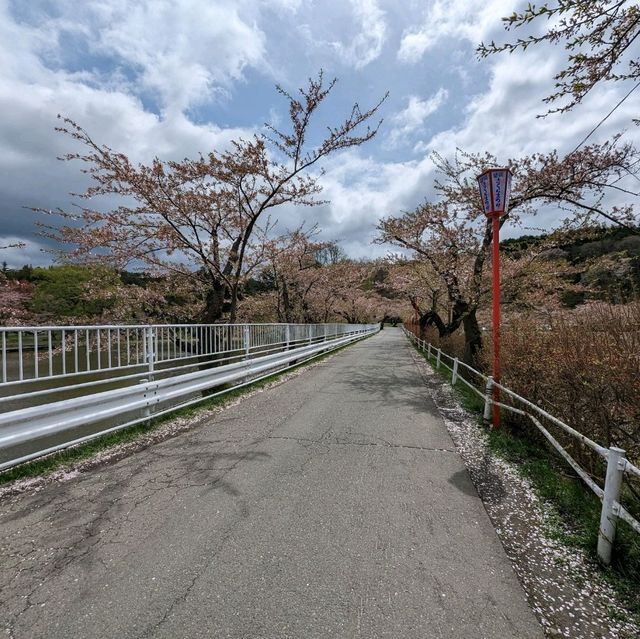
617, 464
66, 385
32, 353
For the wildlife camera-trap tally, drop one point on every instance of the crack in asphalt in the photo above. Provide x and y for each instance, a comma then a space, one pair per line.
105, 523
382, 444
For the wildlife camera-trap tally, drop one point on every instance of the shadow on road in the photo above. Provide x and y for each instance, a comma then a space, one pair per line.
462, 482
389, 389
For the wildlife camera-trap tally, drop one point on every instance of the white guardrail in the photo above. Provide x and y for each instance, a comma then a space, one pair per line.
64, 385
617, 464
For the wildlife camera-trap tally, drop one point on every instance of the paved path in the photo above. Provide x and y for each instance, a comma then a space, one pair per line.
333, 505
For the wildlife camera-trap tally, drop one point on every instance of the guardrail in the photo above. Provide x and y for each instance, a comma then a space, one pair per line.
89, 381
32, 353
617, 464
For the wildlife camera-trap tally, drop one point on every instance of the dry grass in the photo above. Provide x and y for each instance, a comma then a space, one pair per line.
584, 368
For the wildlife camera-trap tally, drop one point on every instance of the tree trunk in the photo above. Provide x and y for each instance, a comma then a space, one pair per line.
463, 315
216, 303
233, 305
472, 338
432, 318
286, 303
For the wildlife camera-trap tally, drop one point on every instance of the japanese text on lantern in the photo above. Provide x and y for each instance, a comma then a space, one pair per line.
498, 190
485, 192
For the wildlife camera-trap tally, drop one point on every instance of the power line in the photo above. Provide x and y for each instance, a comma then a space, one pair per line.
595, 128
606, 117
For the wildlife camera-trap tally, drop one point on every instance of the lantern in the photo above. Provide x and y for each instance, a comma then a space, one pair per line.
495, 189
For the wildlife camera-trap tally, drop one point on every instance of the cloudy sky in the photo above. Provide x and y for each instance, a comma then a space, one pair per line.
176, 77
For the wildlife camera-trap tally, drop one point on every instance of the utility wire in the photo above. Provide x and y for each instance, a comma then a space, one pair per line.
606, 117
595, 128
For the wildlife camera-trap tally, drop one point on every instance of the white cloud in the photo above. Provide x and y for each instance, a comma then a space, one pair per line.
180, 51
367, 44
28, 140
361, 190
412, 118
183, 49
32, 93
503, 119
292, 6
452, 20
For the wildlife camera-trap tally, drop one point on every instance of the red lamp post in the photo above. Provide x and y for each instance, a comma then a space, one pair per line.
495, 189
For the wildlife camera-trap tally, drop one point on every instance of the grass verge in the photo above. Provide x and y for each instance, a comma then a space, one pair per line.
67, 457
576, 510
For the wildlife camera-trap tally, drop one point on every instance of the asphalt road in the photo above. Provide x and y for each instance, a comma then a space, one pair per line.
333, 505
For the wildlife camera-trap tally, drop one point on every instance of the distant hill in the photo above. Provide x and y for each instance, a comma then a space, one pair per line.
605, 262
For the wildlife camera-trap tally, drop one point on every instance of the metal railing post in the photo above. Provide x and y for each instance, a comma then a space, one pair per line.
429, 350
454, 372
438, 358
610, 501
4, 357
287, 337
309, 332
150, 350
488, 400
247, 341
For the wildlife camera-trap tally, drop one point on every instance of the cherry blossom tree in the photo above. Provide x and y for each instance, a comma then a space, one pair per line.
354, 298
294, 268
199, 217
167, 299
452, 236
306, 287
421, 288
14, 302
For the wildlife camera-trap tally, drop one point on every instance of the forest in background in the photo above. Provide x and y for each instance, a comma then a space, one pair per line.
308, 281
